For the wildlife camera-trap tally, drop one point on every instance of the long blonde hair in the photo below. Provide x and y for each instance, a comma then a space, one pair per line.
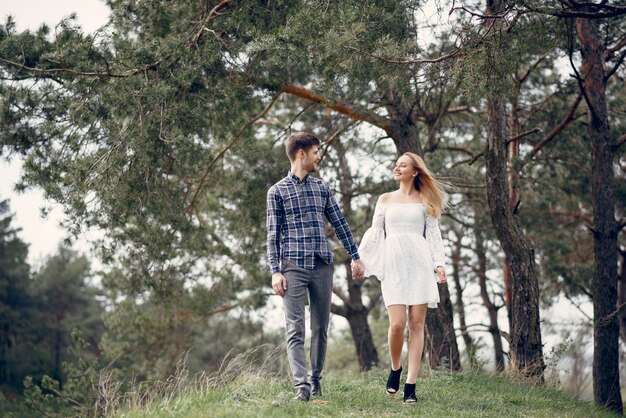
431, 190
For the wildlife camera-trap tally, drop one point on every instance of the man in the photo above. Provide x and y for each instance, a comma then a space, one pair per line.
300, 258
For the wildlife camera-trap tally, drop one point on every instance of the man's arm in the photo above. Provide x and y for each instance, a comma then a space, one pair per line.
343, 232
274, 223
339, 224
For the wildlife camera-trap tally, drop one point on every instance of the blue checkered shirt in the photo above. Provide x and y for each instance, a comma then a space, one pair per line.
295, 223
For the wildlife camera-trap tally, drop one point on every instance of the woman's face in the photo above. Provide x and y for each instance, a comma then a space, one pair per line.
404, 169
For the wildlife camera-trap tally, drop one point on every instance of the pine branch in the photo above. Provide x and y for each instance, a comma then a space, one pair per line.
607, 319
340, 107
522, 79
212, 15
618, 63
108, 73
408, 61
523, 134
477, 14
221, 154
580, 10
475, 157
558, 128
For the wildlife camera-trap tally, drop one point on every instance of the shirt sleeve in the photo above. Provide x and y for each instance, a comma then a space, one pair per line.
372, 247
274, 222
435, 242
339, 224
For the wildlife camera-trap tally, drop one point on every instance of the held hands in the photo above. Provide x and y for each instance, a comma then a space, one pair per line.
358, 270
441, 274
279, 284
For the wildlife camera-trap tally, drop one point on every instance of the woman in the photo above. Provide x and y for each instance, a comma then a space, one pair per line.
402, 249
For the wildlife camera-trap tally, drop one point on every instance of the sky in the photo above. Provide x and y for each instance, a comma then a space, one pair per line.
42, 234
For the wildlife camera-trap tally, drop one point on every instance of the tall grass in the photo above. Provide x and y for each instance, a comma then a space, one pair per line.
244, 386
145, 399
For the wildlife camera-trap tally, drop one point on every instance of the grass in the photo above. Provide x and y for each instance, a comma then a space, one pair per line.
467, 394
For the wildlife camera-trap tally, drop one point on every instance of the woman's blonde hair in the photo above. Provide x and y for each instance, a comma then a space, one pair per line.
431, 190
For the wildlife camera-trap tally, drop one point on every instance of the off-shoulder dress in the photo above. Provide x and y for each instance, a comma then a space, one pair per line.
402, 248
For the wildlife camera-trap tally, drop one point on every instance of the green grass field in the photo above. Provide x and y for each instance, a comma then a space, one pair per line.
467, 394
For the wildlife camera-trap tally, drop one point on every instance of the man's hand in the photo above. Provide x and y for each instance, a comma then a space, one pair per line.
441, 274
279, 283
358, 270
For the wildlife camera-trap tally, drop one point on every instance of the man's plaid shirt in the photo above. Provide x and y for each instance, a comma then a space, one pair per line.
295, 223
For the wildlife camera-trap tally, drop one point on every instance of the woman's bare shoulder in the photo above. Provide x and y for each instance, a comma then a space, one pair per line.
385, 197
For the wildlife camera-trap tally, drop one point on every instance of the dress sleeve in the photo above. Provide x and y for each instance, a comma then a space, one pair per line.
435, 242
372, 248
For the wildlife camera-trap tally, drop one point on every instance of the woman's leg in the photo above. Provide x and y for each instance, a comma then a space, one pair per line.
395, 334
417, 318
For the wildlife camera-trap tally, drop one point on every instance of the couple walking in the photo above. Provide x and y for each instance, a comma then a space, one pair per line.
403, 249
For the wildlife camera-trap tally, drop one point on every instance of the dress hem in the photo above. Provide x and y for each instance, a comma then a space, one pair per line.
431, 304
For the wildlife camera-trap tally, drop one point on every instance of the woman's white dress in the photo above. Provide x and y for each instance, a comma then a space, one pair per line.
402, 249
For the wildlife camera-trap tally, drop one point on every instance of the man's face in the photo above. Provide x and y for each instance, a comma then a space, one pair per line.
311, 159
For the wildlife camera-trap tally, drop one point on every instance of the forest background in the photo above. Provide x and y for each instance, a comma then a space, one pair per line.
162, 130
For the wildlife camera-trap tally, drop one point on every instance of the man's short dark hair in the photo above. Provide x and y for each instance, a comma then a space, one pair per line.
300, 141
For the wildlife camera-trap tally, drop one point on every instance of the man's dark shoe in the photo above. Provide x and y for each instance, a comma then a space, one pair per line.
302, 394
316, 387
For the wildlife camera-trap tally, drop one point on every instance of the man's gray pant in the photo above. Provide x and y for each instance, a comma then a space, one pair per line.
319, 284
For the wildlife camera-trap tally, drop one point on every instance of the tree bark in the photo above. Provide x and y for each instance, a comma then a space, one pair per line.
606, 382
621, 296
470, 346
356, 315
440, 341
492, 309
525, 346
5, 343
403, 129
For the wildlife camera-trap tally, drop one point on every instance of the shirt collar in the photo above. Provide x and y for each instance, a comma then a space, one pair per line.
296, 179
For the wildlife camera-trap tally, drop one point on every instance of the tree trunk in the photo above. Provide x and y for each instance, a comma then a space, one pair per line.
4, 353
470, 346
525, 346
402, 129
621, 296
363, 341
356, 314
361, 333
440, 341
606, 384
492, 309
514, 193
